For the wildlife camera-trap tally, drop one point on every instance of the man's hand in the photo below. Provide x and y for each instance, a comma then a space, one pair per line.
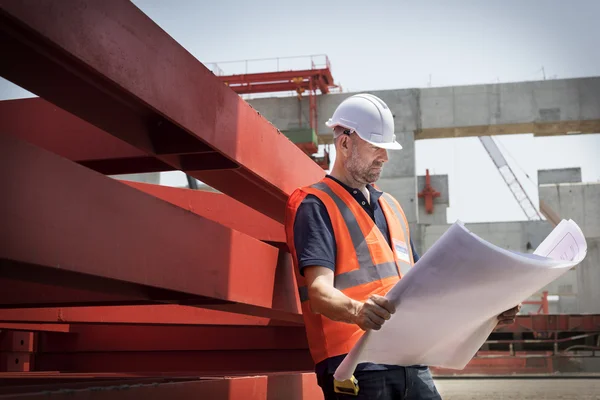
374, 312
508, 317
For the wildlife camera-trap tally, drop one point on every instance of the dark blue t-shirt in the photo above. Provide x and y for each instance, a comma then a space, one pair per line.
315, 245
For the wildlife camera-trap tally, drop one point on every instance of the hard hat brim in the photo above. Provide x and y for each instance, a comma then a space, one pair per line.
388, 146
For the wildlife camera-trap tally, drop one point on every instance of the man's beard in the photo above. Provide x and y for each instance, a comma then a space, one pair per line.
362, 172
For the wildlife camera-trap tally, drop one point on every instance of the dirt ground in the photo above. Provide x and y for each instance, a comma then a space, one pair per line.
519, 389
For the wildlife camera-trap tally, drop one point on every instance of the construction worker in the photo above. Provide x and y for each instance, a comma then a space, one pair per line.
350, 244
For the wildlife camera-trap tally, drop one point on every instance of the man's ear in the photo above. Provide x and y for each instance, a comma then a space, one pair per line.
345, 142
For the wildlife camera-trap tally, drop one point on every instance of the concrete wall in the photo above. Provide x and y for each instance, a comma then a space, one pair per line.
588, 279
510, 104
542, 107
522, 236
581, 203
398, 176
577, 201
561, 175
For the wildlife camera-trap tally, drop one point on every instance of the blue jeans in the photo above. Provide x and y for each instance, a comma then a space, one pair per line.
410, 383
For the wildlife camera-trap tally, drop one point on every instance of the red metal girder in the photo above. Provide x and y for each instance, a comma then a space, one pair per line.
155, 314
17, 341
31, 382
294, 387
40, 122
251, 388
34, 327
68, 136
198, 362
308, 148
102, 338
109, 64
16, 350
219, 208
94, 233
15, 362
276, 76
20, 293
554, 323
281, 386
269, 87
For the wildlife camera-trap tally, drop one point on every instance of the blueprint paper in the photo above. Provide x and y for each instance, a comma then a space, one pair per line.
448, 303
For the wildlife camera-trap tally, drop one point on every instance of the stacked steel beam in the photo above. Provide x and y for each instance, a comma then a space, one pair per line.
106, 283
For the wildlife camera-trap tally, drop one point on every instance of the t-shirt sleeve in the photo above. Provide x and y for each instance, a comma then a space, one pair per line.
313, 235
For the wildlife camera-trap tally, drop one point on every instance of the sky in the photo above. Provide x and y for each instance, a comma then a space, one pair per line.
409, 44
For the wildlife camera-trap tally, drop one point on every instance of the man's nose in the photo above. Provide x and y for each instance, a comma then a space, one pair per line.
382, 156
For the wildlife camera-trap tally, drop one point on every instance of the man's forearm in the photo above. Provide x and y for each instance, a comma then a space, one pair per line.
333, 304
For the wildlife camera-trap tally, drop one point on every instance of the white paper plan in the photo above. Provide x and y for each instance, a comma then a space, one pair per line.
448, 302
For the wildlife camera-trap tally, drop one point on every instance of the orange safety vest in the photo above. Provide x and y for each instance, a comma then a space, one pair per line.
365, 264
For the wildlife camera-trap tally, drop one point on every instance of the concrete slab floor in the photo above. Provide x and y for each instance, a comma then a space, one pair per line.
519, 389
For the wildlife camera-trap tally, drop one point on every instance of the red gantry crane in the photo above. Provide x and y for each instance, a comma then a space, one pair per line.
312, 81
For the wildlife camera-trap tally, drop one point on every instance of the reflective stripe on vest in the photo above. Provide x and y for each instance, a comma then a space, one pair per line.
390, 200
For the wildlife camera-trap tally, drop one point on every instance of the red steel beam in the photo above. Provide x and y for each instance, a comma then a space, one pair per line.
40, 122
27, 327
68, 136
288, 386
215, 362
31, 382
279, 81
269, 87
109, 64
21, 293
154, 314
276, 76
554, 323
219, 208
132, 338
66, 225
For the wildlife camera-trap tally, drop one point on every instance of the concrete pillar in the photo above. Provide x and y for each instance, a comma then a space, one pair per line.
588, 279
399, 180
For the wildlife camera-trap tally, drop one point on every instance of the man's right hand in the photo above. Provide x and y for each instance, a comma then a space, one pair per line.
374, 312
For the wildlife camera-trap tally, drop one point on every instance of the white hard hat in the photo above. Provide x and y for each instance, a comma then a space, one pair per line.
369, 117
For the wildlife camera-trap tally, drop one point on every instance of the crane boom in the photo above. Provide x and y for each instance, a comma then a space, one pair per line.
510, 178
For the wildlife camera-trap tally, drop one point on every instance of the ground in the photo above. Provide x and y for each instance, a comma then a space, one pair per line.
519, 389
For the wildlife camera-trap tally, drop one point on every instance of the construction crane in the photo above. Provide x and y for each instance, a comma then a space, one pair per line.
510, 178
302, 81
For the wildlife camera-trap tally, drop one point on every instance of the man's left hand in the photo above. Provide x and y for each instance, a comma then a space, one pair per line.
508, 317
